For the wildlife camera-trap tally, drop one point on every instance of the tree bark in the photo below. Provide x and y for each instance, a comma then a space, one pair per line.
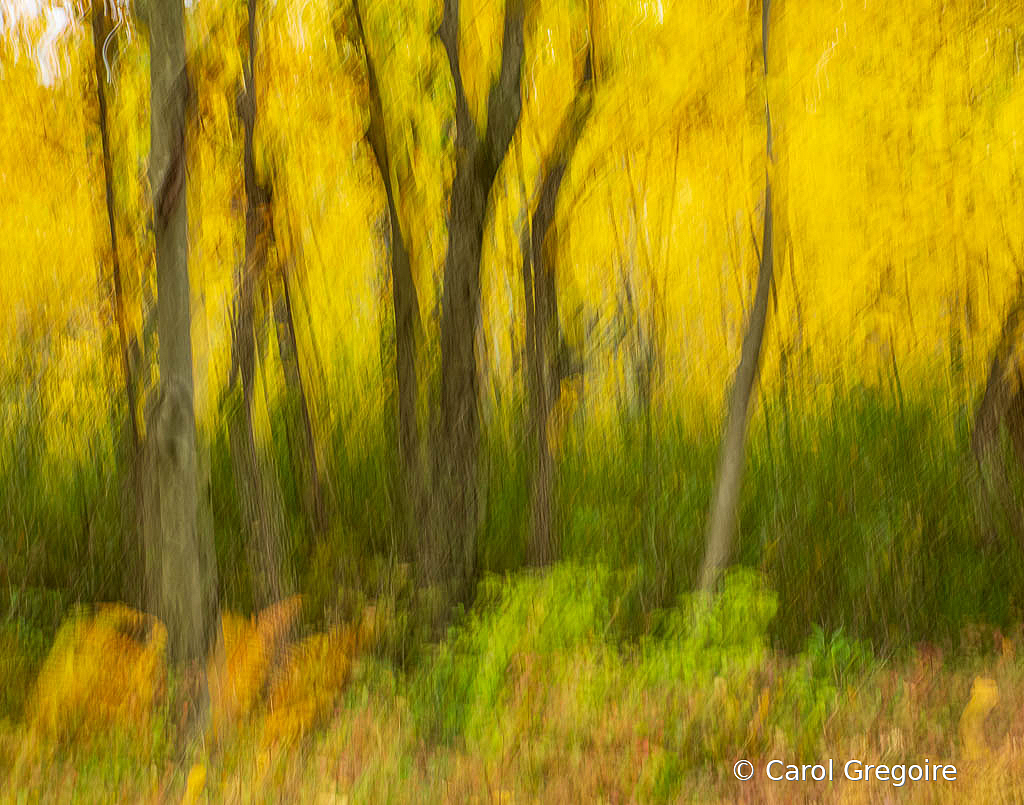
180, 563
728, 482
542, 330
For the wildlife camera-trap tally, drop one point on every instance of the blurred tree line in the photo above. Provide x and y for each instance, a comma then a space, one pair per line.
428, 270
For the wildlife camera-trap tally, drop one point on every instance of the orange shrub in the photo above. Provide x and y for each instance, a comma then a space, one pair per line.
313, 678
238, 675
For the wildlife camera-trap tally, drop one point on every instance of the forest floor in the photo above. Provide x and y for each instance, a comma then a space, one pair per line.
531, 698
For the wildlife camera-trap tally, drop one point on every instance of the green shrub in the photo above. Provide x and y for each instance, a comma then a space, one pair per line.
535, 615
537, 669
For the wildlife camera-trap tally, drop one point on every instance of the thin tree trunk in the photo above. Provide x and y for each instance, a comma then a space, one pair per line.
180, 563
728, 483
306, 463
128, 346
542, 333
258, 490
311, 369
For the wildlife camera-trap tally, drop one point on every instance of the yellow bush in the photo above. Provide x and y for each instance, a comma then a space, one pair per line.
104, 670
107, 669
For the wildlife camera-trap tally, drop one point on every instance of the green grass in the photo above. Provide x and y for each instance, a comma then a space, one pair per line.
864, 514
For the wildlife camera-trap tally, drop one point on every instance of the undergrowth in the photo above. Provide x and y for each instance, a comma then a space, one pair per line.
535, 695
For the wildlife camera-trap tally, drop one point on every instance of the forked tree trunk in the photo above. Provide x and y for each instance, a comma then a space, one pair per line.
448, 549
728, 481
451, 511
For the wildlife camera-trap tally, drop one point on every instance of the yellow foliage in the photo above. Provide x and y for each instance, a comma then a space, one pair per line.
480, 32
984, 695
104, 670
107, 670
195, 784
897, 181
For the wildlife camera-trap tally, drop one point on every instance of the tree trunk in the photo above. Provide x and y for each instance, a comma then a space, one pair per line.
448, 550
306, 465
728, 482
542, 330
258, 491
127, 345
180, 563
1002, 404
451, 512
